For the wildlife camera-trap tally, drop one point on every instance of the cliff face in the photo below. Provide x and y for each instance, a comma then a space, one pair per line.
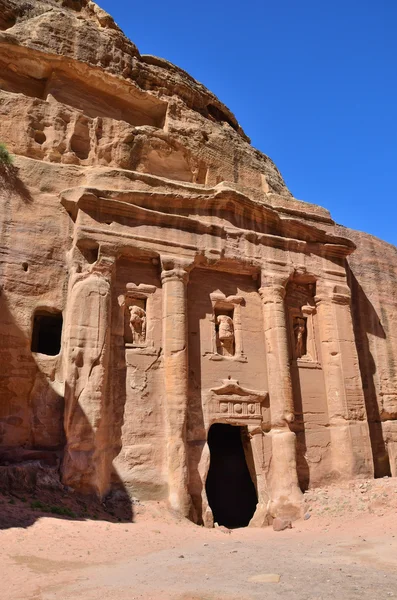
373, 281
83, 95
80, 106
130, 179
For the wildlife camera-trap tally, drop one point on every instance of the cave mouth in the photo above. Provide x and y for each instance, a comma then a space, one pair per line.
230, 490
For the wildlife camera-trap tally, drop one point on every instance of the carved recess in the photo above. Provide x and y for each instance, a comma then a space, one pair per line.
231, 403
137, 308
227, 336
302, 324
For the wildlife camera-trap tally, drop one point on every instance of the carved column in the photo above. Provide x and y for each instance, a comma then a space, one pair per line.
350, 442
174, 279
286, 497
261, 515
87, 459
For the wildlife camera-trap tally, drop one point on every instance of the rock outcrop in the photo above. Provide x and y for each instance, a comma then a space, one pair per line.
160, 282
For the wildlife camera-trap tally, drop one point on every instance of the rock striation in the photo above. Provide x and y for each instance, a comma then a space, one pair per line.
173, 322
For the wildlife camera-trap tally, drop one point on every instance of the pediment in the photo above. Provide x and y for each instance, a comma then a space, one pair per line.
231, 387
233, 403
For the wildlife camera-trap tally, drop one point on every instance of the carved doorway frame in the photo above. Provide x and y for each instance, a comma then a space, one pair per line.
233, 404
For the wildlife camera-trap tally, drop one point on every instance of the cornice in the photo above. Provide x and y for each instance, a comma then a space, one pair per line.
174, 209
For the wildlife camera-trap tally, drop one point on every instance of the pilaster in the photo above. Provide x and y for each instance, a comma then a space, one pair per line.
174, 277
87, 461
351, 447
286, 497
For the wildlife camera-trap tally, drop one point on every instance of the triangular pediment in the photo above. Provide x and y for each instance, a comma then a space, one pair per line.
231, 387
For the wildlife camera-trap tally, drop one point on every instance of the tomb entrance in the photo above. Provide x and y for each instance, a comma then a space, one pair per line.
230, 490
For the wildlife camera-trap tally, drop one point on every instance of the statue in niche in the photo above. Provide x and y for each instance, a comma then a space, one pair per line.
300, 334
195, 173
226, 334
137, 324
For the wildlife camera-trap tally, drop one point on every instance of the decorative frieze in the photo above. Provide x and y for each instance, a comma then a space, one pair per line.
233, 403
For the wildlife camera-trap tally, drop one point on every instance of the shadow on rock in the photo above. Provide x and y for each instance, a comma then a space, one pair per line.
10, 183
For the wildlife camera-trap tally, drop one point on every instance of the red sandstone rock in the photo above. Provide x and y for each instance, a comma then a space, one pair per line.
158, 278
281, 524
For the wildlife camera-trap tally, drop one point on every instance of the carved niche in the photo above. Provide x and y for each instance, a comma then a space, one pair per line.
136, 307
231, 403
226, 331
301, 312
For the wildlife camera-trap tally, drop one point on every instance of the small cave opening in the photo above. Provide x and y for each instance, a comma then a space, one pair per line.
80, 140
90, 253
47, 333
39, 137
230, 490
218, 115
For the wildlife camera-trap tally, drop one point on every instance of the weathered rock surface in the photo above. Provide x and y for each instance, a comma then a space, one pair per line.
160, 282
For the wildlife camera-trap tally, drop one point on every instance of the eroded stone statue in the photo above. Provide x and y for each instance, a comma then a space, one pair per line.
226, 334
137, 324
300, 334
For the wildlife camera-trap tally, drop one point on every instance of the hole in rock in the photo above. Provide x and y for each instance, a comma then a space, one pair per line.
219, 116
230, 490
25, 266
39, 137
80, 140
7, 21
47, 332
90, 253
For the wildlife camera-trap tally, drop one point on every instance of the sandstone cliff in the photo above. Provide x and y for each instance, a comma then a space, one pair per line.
125, 165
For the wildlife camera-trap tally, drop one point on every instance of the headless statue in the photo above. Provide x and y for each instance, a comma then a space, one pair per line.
137, 324
226, 334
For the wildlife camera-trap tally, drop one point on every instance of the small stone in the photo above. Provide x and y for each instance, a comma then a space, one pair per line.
281, 524
224, 529
307, 516
266, 578
181, 556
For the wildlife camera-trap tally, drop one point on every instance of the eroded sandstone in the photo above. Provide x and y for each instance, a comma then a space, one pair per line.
161, 289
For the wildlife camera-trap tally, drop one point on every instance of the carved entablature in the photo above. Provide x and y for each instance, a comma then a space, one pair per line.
231, 403
136, 305
227, 339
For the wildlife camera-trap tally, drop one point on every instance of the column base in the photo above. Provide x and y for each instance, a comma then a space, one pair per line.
389, 429
262, 517
179, 499
286, 498
351, 450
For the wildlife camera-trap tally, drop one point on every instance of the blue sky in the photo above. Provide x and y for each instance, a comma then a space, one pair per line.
312, 82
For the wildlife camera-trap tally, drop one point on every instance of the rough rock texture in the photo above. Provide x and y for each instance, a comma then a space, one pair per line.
161, 289
372, 274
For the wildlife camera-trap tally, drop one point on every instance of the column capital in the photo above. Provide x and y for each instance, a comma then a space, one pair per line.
106, 260
273, 285
103, 265
273, 278
331, 292
272, 292
175, 268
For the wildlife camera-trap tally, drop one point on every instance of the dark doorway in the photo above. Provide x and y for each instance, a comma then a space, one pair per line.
230, 490
47, 332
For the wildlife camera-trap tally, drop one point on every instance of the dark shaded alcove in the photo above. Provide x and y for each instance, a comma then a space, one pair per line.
230, 490
47, 332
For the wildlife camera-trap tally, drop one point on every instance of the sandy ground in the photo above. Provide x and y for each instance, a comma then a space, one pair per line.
346, 549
